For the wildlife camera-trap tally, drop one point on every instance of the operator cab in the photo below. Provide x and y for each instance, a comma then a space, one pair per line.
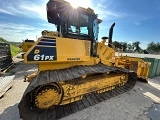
76, 23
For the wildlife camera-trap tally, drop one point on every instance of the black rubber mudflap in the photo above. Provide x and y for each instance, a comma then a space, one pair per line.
29, 112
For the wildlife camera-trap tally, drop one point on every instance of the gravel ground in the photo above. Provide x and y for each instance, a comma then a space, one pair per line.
133, 105
9, 103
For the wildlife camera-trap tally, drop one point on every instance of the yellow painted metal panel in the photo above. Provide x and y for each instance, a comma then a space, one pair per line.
71, 48
65, 50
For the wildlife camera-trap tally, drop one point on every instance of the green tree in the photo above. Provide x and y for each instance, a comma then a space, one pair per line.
117, 44
136, 46
124, 45
153, 47
129, 46
158, 47
120, 45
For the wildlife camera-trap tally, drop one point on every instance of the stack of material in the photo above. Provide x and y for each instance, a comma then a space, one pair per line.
5, 84
5, 63
5, 56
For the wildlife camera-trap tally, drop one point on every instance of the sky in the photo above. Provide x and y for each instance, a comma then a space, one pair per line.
136, 20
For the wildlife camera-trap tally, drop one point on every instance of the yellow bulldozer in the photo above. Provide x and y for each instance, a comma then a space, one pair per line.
26, 45
75, 71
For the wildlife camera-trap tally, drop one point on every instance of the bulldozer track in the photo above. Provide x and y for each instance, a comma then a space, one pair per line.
28, 111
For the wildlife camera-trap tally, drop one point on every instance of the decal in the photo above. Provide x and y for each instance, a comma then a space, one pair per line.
43, 57
47, 44
73, 58
40, 53
36, 51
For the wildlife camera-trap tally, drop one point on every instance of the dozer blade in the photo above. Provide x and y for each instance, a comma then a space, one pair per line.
28, 110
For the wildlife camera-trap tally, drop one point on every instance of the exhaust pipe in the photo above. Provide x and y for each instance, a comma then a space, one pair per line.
110, 35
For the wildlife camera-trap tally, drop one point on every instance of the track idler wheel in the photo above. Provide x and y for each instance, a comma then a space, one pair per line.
47, 96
